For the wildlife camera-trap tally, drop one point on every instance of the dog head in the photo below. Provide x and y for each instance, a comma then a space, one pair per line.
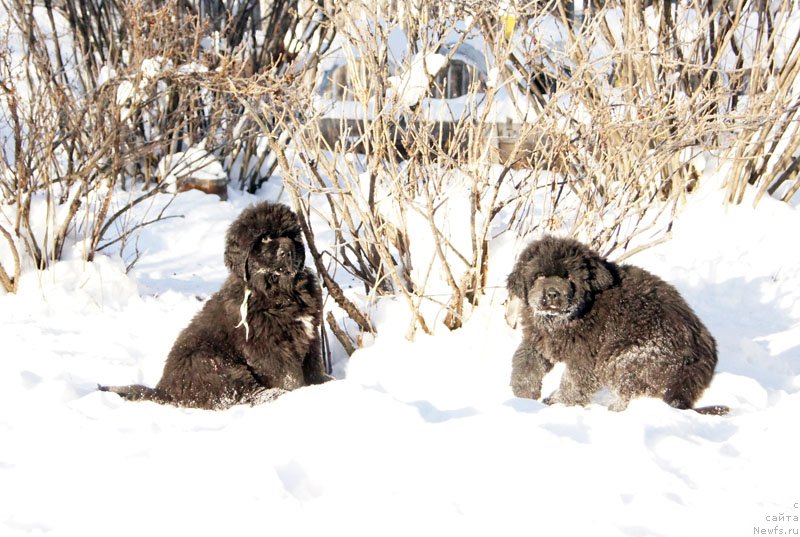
556, 279
264, 244
272, 261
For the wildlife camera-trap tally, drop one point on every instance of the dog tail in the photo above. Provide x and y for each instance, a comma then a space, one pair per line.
713, 410
710, 410
135, 392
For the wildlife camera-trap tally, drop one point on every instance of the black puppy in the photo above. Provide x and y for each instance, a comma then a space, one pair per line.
614, 326
259, 334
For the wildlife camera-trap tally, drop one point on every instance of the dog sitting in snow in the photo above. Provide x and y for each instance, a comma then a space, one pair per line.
257, 336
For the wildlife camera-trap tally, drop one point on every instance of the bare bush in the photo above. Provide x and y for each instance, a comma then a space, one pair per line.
413, 209
416, 132
10, 282
434, 128
765, 106
109, 103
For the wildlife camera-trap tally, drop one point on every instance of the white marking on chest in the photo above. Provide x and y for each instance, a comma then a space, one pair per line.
307, 321
243, 313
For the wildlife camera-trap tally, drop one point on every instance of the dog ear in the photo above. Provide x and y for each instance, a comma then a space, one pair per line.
237, 250
602, 273
299, 251
517, 283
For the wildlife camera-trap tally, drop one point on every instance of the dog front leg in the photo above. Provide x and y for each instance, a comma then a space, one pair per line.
288, 377
577, 388
528, 368
275, 370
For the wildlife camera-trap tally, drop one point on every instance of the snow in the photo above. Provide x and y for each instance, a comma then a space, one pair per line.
414, 84
194, 163
413, 438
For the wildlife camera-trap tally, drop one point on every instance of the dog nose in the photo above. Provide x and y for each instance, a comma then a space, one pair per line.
551, 294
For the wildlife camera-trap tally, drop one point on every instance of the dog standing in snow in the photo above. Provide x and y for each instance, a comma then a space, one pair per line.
614, 326
257, 336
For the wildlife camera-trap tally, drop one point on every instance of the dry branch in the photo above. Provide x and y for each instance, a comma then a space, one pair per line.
340, 334
10, 284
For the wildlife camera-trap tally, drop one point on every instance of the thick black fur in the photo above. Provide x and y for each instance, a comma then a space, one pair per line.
219, 360
614, 326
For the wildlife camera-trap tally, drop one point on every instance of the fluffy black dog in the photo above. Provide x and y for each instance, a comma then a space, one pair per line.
259, 334
614, 326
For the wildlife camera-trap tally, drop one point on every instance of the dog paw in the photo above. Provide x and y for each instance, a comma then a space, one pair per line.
526, 391
267, 395
554, 398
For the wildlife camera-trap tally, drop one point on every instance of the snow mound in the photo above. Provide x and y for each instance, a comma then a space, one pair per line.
415, 438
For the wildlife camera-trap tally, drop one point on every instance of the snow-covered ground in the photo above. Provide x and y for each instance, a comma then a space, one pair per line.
414, 438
